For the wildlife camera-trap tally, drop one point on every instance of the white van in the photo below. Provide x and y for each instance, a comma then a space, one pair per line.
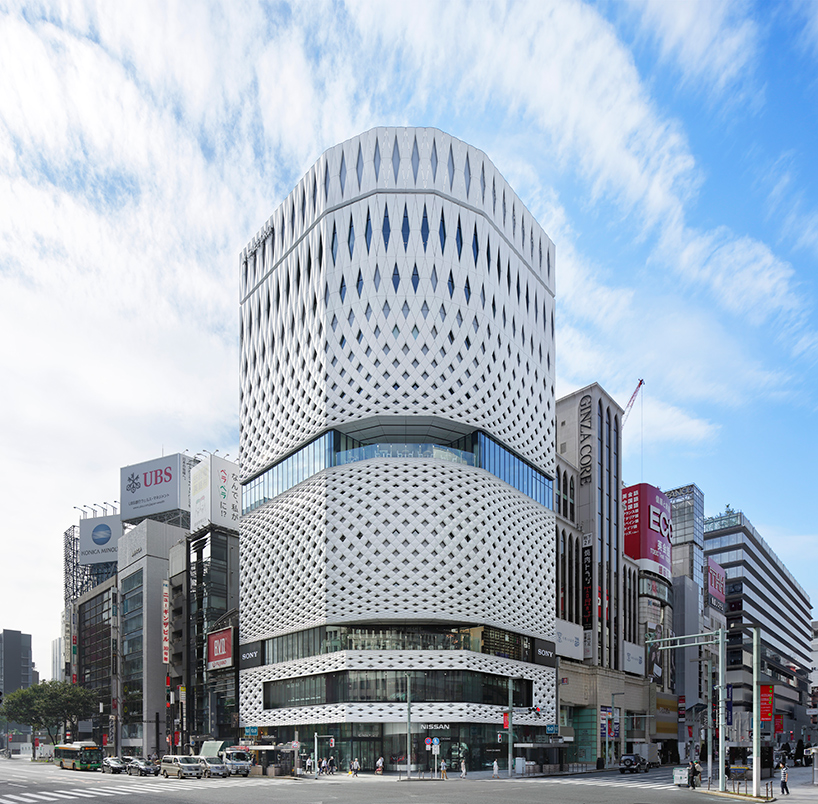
180, 766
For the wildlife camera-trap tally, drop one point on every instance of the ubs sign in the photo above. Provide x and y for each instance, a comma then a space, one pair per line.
545, 653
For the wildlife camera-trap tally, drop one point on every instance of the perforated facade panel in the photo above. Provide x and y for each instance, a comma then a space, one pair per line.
402, 288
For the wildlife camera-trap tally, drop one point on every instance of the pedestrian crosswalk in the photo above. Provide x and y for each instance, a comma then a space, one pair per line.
643, 784
99, 790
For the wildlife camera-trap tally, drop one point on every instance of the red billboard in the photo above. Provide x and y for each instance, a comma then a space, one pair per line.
779, 724
766, 702
220, 649
648, 528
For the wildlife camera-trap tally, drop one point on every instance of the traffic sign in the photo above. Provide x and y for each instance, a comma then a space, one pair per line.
552, 728
428, 741
435, 740
295, 744
435, 750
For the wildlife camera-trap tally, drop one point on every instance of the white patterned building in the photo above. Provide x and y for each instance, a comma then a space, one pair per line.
397, 454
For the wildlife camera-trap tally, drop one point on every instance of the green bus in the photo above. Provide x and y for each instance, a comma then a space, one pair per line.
79, 756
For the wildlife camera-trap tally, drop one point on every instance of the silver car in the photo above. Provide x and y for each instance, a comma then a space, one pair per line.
213, 766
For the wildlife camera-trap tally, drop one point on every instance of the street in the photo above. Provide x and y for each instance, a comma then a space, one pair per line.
23, 782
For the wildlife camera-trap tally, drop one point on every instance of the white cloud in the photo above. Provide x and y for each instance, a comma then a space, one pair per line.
715, 43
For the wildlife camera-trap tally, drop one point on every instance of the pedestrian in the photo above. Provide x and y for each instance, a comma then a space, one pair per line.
691, 774
495, 770
443, 774
355, 766
699, 774
462, 768
324, 766
379, 766
727, 769
785, 788
309, 764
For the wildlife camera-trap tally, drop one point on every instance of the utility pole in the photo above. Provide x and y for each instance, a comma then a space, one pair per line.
756, 711
408, 727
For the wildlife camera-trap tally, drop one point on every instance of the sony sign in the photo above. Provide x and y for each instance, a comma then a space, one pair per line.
251, 655
545, 653
586, 439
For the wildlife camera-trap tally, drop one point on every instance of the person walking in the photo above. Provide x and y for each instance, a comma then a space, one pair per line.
443, 774
785, 788
462, 768
324, 766
495, 770
379, 766
691, 774
355, 766
331, 765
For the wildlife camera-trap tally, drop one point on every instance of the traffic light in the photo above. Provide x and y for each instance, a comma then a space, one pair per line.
499, 736
332, 742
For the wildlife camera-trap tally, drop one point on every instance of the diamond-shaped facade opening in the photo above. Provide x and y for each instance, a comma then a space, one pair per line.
343, 175
434, 160
424, 229
459, 239
334, 244
451, 168
395, 159
377, 278
415, 278
377, 160
351, 237
513, 220
475, 245
483, 184
467, 289
442, 232
326, 182
368, 231
405, 228
467, 175
359, 284
415, 160
359, 165
342, 290
303, 206
314, 193
504, 207
434, 278
450, 284
396, 277
386, 228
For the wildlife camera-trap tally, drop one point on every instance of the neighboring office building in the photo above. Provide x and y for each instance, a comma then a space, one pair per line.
397, 430
17, 672
204, 600
58, 657
598, 640
761, 590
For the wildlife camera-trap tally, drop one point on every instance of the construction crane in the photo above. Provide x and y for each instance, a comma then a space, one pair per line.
630, 403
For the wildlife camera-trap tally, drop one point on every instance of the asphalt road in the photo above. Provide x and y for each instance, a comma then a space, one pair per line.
23, 782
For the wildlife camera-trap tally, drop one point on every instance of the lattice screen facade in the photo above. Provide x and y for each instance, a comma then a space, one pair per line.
402, 284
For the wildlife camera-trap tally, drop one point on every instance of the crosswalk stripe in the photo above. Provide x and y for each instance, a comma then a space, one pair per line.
75, 793
43, 796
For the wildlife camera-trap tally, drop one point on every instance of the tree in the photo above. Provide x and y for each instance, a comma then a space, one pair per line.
49, 705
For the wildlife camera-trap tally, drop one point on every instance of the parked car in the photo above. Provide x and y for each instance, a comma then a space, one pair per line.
213, 766
181, 766
139, 766
113, 765
633, 763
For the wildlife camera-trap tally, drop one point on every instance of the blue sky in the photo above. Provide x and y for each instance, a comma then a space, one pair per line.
668, 149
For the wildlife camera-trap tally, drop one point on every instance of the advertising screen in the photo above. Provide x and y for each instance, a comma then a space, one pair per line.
214, 494
99, 538
648, 528
220, 649
155, 487
716, 577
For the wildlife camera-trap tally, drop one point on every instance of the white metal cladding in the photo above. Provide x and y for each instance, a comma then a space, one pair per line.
318, 352
252, 688
392, 539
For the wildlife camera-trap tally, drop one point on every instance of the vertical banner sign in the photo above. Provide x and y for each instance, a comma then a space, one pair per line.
766, 702
587, 581
729, 709
682, 708
779, 724
505, 720
165, 622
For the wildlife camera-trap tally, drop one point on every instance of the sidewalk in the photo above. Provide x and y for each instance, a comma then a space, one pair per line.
800, 784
